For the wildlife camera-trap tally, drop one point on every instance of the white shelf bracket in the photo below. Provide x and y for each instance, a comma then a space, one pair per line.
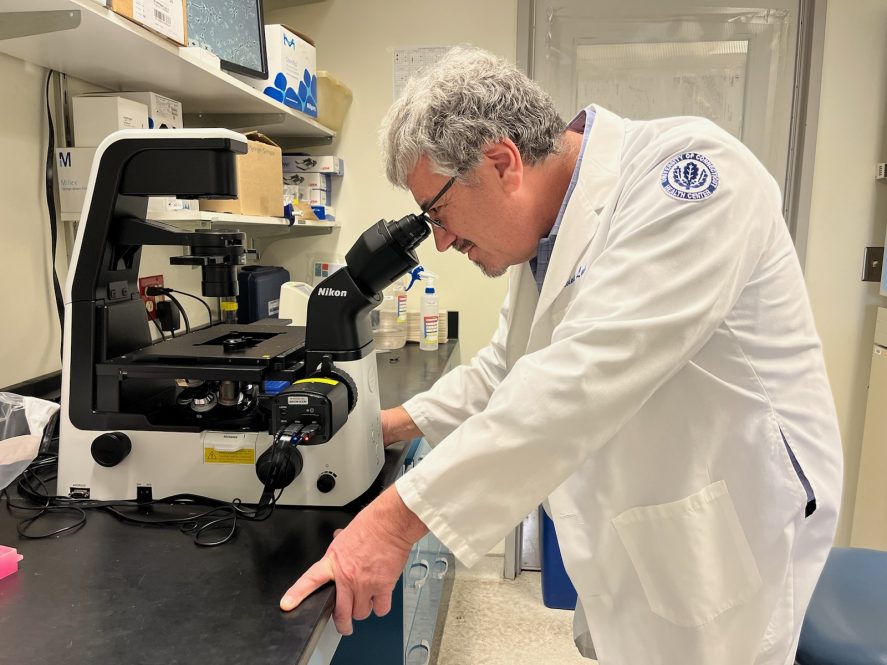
28, 24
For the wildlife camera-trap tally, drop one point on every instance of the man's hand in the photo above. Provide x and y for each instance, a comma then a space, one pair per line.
365, 560
397, 426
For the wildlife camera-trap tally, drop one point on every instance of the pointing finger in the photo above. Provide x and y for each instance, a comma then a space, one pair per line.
314, 578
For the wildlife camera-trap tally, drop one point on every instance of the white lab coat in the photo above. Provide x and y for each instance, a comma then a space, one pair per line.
645, 392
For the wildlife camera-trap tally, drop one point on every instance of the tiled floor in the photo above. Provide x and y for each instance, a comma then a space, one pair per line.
493, 621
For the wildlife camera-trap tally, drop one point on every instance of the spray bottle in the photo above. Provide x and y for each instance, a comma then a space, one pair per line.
429, 310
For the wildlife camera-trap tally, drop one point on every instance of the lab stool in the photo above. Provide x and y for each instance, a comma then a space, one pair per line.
846, 623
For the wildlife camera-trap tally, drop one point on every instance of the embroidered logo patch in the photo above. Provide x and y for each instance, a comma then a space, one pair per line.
689, 176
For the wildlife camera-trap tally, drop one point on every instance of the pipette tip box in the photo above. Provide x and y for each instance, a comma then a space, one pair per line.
9, 558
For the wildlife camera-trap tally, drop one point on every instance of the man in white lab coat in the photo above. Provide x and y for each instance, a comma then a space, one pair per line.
656, 376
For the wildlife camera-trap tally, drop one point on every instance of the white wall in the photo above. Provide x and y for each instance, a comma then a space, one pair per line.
848, 212
29, 336
354, 43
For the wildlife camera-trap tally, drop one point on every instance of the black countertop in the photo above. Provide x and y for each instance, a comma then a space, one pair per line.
121, 594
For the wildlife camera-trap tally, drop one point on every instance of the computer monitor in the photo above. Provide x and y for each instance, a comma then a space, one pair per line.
233, 30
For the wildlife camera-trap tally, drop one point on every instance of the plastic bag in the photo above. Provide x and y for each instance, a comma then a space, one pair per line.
22, 421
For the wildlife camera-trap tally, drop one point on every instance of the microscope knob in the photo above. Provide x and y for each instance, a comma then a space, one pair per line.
326, 483
110, 449
235, 344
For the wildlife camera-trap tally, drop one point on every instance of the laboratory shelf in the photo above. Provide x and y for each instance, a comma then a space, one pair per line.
110, 51
255, 226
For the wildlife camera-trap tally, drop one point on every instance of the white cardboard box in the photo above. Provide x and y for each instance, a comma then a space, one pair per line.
97, 117
73, 166
309, 180
172, 204
313, 164
317, 197
163, 112
292, 69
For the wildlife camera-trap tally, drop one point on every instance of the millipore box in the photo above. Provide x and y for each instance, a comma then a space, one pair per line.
73, 166
292, 69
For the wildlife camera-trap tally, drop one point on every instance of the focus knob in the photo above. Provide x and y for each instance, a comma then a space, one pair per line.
326, 483
110, 449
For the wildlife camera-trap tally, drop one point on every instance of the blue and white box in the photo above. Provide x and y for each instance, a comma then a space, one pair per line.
292, 69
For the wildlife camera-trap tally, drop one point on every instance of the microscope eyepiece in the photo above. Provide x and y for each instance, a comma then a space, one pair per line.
409, 231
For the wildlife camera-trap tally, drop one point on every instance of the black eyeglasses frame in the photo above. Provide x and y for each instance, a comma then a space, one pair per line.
428, 206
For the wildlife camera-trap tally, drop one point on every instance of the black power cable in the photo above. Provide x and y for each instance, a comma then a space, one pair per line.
53, 219
166, 291
175, 301
209, 312
220, 515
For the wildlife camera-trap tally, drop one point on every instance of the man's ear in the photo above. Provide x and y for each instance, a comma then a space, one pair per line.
505, 158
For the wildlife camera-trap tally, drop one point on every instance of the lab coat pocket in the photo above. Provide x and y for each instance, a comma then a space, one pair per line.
692, 557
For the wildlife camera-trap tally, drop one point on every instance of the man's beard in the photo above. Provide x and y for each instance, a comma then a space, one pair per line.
462, 246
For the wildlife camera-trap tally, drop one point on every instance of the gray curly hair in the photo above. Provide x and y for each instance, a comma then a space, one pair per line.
453, 109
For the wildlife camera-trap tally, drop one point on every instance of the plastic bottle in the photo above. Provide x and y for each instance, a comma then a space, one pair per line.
389, 328
429, 315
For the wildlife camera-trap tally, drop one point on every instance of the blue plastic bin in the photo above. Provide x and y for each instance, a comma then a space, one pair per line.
558, 591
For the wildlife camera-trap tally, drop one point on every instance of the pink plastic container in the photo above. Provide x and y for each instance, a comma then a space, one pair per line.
9, 559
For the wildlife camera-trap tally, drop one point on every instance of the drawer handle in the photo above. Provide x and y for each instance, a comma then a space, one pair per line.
423, 645
424, 569
446, 568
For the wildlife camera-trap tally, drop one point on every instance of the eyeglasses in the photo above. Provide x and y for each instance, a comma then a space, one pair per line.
428, 206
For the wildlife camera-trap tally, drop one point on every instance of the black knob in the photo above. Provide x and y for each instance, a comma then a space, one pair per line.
235, 344
110, 449
326, 483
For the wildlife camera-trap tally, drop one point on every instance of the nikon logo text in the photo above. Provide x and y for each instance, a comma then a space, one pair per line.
331, 292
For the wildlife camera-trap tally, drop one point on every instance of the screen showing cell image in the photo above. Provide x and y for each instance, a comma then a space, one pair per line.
231, 29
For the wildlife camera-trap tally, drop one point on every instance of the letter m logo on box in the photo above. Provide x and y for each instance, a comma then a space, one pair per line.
291, 43
65, 158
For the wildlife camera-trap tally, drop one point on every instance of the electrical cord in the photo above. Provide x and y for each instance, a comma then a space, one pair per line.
175, 301
220, 515
209, 312
159, 329
53, 218
166, 291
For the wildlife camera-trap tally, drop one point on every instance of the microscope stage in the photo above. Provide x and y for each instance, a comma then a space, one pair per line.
230, 344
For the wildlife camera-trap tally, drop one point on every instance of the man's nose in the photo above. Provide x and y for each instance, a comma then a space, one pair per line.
443, 239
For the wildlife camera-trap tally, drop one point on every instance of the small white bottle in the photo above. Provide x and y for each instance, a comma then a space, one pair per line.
429, 314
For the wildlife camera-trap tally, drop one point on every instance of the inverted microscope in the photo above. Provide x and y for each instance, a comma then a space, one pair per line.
228, 411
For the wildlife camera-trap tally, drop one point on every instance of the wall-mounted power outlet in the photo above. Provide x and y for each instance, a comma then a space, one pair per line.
150, 301
872, 264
